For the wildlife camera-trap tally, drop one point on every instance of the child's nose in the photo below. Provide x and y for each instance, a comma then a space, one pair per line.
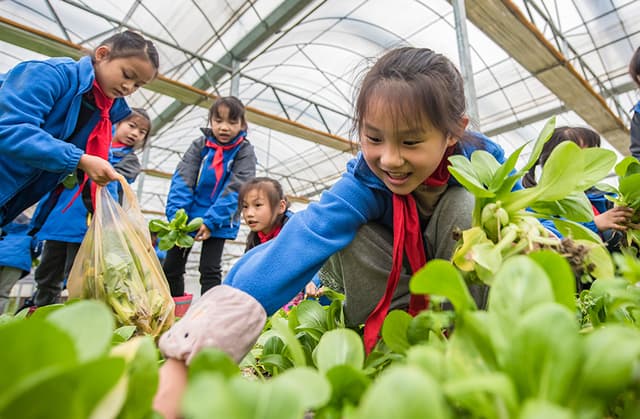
391, 157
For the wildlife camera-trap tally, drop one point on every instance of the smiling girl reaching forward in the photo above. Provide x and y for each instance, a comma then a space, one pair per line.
396, 199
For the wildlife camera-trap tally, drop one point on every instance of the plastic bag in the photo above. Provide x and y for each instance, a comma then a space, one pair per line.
116, 263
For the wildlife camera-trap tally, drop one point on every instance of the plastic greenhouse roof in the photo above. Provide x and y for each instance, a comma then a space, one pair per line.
300, 60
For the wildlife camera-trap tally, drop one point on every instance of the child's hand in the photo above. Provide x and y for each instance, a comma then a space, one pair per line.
98, 169
203, 233
171, 386
312, 291
616, 218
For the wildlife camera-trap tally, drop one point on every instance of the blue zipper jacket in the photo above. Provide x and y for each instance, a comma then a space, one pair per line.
16, 245
71, 225
39, 107
310, 237
193, 184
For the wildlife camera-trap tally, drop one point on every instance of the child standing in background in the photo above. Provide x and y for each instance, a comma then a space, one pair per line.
56, 116
67, 223
634, 72
265, 210
206, 184
395, 199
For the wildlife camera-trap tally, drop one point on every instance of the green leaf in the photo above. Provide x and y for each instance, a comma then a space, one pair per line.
348, 384
563, 172
575, 206
90, 324
576, 231
536, 409
394, 330
315, 392
627, 166
440, 277
485, 166
193, 225
213, 360
562, 279
158, 226
519, 285
483, 393
543, 137
123, 334
612, 355
184, 240
464, 173
403, 392
598, 162
142, 372
281, 327
24, 362
339, 347
211, 396
546, 354
92, 389
504, 172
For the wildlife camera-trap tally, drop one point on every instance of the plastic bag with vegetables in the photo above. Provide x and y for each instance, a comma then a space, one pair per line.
116, 263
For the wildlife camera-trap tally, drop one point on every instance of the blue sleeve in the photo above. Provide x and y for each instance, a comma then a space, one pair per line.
24, 108
277, 270
181, 192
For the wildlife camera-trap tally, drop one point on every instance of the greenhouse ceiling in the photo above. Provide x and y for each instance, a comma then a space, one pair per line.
296, 64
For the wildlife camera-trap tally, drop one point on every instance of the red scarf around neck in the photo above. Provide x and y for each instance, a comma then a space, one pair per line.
406, 233
266, 237
99, 139
218, 158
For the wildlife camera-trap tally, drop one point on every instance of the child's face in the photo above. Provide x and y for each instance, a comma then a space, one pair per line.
224, 128
401, 157
121, 76
132, 131
257, 212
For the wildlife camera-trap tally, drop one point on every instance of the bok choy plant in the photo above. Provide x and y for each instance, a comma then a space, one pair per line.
506, 219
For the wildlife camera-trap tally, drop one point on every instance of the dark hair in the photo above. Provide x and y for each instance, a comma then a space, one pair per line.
273, 189
143, 114
131, 44
417, 83
584, 137
634, 67
236, 109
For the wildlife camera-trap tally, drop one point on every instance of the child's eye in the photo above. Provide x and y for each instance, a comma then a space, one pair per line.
411, 143
126, 75
373, 139
144, 132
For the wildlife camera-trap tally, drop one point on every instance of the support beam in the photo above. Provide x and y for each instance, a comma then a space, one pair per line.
47, 44
273, 23
504, 23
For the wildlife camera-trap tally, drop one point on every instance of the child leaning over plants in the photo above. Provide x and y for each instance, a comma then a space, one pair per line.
67, 222
609, 220
396, 197
206, 184
63, 122
265, 209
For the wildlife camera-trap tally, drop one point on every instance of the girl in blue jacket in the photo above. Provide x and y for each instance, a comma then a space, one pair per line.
395, 200
206, 184
56, 116
67, 223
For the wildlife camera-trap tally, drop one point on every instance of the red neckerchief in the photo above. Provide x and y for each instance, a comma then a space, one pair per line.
407, 234
266, 237
218, 158
118, 144
99, 139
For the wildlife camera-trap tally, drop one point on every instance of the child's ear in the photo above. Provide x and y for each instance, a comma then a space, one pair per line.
282, 207
102, 53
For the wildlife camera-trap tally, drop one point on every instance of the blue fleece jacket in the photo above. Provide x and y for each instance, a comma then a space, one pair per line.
275, 271
39, 106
